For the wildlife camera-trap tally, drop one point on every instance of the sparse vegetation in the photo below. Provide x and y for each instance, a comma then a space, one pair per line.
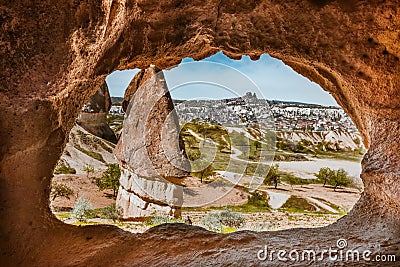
112, 212
219, 221
160, 219
91, 154
115, 122
64, 168
88, 169
110, 179
294, 180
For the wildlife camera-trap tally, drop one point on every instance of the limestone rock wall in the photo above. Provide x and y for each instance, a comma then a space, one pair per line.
53, 57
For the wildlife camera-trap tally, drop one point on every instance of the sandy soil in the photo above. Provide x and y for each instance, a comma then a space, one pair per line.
213, 194
342, 197
82, 186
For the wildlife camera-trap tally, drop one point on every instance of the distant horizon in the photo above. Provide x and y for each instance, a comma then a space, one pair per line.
277, 100
272, 78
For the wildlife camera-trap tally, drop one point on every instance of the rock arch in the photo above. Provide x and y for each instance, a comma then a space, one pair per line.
54, 57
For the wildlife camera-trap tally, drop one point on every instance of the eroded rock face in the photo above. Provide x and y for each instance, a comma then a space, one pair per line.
54, 57
150, 150
93, 117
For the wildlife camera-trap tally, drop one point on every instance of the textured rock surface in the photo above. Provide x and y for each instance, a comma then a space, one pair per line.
54, 56
93, 117
150, 150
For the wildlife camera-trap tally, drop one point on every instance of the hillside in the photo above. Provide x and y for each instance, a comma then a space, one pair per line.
84, 148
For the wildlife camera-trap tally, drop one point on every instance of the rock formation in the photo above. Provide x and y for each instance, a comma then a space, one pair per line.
334, 140
93, 117
150, 150
54, 56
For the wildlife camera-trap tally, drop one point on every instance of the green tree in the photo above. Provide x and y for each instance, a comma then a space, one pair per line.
273, 176
110, 179
88, 169
325, 175
204, 173
340, 178
112, 212
60, 190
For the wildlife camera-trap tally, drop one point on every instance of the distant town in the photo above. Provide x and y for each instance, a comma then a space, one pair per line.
248, 109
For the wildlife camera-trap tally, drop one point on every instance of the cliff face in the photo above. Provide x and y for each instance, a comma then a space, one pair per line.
54, 57
331, 140
93, 117
150, 150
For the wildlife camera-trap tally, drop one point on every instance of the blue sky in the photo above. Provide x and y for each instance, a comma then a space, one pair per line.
268, 77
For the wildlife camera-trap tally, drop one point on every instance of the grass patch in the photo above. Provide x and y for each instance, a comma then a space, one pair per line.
333, 206
63, 215
64, 169
85, 223
228, 230
294, 180
95, 155
297, 204
288, 156
158, 219
340, 155
106, 147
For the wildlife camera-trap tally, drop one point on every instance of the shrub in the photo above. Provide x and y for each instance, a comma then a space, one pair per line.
211, 222
64, 169
298, 204
216, 221
257, 200
60, 190
88, 169
231, 219
112, 212
156, 220
82, 210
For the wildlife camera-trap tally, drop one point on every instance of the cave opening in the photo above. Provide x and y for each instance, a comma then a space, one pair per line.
268, 150
56, 56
